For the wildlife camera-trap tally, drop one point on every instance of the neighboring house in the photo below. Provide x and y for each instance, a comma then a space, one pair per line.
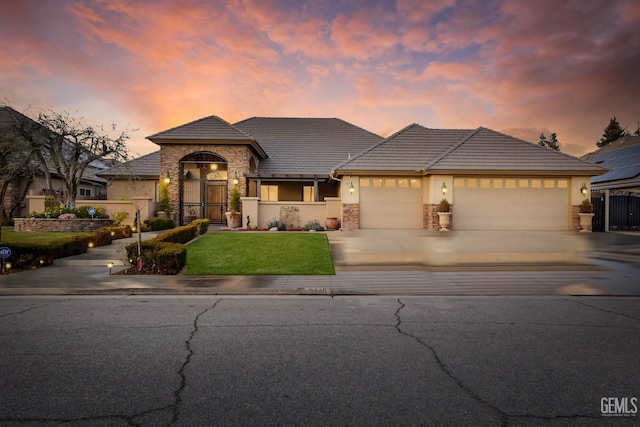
92, 187
321, 168
616, 194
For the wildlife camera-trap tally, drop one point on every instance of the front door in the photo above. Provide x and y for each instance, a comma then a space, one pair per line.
216, 201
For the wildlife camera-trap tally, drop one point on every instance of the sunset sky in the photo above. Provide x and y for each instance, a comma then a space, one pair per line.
516, 66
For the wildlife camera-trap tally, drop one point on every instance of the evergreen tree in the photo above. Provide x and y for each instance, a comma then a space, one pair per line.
612, 132
551, 143
637, 132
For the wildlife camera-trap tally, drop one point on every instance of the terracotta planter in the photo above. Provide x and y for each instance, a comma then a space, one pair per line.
586, 220
331, 223
444, 218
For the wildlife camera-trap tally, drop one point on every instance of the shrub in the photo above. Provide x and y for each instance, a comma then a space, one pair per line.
278, 223
202, 226
35, 254
156, 223
234, 200
586, 207
118, 217
313, 225
178, 235
164, 197
444, 206
158, 257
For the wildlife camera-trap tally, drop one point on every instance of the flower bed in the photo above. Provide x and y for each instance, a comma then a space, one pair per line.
57, 224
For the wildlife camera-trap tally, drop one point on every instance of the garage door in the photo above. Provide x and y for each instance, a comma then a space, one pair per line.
511, 204
394, 203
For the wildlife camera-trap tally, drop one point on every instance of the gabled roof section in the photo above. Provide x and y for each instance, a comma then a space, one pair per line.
305, 147
410, 149
147, 166
208, 130
624, 141
422, 150
488, 150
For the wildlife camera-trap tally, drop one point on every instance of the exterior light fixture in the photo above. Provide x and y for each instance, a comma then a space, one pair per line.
584, 190
352, 189
214, 166
7, 266
90, 244
444, 188
109, 266
235, 178
167, 180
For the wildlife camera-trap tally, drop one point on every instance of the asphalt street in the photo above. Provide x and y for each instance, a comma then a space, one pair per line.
317, 360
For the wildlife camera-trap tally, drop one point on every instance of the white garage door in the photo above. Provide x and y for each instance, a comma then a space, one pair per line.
394, 203
511, 204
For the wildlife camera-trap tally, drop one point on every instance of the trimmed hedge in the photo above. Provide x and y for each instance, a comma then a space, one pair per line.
27, 255
156, 223
178, 235
158, 257
202, 224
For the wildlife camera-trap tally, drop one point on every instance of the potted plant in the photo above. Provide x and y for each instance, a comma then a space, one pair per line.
234, 216
444, 214
586, 216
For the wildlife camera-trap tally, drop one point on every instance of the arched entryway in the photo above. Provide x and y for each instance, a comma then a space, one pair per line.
203, 188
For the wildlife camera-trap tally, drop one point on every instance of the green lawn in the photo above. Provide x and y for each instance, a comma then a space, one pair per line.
9, 236
256, 253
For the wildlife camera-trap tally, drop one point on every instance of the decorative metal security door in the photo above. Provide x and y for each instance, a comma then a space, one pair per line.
204, 188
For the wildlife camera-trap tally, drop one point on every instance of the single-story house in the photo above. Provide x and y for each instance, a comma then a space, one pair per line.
326, 167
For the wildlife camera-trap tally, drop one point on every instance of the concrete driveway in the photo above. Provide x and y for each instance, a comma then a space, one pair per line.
419, 249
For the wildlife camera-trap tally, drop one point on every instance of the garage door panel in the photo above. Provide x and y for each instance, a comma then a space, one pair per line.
521, 208
390, 207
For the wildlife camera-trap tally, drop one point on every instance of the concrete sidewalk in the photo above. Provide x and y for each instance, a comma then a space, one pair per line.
402, 262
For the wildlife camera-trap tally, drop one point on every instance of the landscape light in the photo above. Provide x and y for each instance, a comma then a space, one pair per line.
110, 266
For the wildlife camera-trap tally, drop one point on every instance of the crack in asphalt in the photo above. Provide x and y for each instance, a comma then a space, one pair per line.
505, 417
183, 378
603, 309
35, 307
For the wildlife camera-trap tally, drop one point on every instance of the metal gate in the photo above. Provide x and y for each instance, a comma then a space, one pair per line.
203, 188
599, 209
624, 210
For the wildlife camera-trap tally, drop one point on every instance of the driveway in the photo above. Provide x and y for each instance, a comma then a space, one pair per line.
418, 249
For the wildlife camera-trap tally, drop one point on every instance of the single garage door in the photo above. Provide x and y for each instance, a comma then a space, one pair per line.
394, 203
511, 204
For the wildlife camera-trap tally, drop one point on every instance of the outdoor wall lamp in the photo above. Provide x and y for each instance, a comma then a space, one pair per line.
110, 266
235, 178
352, 189
584, 189
167, 180
444, 188
214, 166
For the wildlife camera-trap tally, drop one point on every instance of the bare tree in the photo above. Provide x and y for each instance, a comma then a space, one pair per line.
64, 146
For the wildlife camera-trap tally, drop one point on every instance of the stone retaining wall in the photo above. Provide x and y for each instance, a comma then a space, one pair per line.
55, 224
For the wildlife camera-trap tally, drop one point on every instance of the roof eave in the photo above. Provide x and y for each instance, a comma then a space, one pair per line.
183, 141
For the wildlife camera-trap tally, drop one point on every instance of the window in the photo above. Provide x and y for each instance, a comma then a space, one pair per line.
403, 183
269, 193
497, 183
85, 192
415, 183
523, 183
307, 194
377, 182
364, 182
390, 183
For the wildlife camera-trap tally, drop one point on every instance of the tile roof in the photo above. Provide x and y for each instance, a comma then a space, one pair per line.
147, 166
204, 129
416, 148
305, 146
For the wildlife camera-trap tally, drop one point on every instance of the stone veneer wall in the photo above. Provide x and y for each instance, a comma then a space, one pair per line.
575, 218
431, 221
237, 157
55, 224
350, 217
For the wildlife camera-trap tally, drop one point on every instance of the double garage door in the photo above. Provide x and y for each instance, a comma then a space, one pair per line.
480, 204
